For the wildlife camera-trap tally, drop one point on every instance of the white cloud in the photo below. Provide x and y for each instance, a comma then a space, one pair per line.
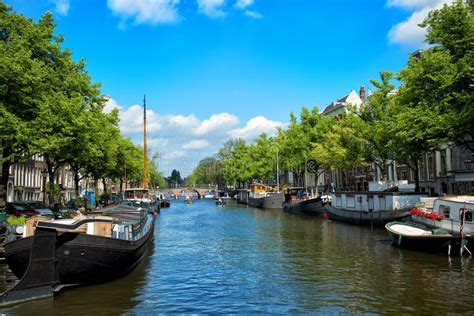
412, 3
217, 122
253, 14
408, 33
62, 7
110, 105
196, 144
146, 11
256, 126
242, 4
211, 8
181, 141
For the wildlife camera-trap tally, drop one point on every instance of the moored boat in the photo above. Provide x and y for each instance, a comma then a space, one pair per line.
419, 237
71, 252
265, 196
299, 202
371, 208
452, 213
209, 195
140, 197
243, 196
162, 200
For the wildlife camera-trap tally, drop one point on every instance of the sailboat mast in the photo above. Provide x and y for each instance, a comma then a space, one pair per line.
278, 173
145, 176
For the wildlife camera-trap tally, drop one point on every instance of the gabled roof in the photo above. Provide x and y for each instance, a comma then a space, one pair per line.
343, 99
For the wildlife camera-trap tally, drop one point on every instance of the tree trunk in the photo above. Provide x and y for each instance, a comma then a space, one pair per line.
51, 170
4, 178
416, 169
104, 183
76, 183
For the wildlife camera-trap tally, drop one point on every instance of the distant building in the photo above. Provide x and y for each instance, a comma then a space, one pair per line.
340, 106
353, 179
449, 170
27, 181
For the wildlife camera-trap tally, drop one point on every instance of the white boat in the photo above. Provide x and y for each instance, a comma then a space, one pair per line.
265, 196
452, 213
371, 208
419, 237
208, 195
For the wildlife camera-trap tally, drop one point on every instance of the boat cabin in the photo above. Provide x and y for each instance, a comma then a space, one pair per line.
375, 201
453, 212
259, 190
296, 193
136, 194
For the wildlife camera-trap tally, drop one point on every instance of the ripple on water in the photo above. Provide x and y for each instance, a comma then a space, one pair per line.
240, 260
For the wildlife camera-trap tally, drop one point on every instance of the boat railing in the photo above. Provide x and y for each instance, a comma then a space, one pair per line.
72, 226
129, 231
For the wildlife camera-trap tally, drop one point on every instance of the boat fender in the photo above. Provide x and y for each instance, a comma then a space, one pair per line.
325, 216
399, 242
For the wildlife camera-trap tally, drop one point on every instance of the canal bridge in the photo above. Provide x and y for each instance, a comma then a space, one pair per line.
200, 192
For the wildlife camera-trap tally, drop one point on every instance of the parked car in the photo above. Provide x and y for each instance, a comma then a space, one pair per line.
41, 208
20, 208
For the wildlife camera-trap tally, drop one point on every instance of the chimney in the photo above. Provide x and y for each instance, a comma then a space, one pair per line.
362, 94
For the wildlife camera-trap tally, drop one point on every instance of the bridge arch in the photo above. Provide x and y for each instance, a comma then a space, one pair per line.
200, 192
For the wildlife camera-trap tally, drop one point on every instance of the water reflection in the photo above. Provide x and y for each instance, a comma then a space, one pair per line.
112, 298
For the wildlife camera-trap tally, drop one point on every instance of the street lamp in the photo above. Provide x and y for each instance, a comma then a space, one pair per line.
44, 174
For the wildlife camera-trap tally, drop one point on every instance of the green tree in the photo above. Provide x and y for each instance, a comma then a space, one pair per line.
375, 118
294, 147
27, 50
175, 179
434, 103
441, 78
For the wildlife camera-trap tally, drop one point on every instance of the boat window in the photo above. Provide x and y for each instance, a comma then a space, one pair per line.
444, 209
468, 215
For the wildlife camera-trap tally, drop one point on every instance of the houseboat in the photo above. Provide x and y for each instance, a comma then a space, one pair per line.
299, 201
88, 249
265, 196
140, 197
451, 213
371, 208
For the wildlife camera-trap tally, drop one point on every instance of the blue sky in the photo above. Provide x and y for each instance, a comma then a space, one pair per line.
216, 69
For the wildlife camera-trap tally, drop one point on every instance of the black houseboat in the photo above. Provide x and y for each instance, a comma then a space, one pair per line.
87, 250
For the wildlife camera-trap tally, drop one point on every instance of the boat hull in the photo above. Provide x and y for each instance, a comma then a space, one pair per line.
271, 202
305, 207
84, 259
444, 243
357, 217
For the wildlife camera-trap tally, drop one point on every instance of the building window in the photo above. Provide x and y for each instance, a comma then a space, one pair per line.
423, 169
430, 167
443, 162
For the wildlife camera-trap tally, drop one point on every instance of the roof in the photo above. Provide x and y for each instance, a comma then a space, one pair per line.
343, 99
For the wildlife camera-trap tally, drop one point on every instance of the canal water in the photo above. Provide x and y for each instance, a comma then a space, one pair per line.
235, 259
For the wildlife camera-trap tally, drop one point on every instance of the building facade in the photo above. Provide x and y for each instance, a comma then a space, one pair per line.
449, 170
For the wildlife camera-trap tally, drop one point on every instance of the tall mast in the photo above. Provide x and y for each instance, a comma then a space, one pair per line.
145, 177
278, 173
